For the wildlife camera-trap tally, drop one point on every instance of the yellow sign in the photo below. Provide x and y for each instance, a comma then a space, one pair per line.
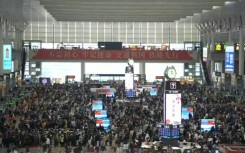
218, 47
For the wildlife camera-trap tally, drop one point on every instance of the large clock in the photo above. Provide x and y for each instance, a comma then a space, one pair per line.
170, 73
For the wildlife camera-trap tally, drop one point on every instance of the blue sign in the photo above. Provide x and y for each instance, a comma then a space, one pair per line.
7, 57
229, 58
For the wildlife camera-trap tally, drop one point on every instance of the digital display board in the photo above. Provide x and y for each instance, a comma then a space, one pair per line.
45, 80
7, 57
229, 58
97, 105
105, 122
207, 124
130, 93
169, 132
165, 132
186, 112
110, 94
173, 109
153, 91
101, 114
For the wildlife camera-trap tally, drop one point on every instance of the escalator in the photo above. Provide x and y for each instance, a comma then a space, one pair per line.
205, 72
23, 63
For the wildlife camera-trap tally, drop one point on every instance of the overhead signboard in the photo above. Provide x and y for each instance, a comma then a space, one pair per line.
62, 54
229, 58
172, 86
219, 47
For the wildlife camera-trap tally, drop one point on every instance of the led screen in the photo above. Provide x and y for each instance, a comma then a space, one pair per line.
105, 122
101, 114
186, 112
173, 109
110, 94
153, 91
7, 57
168, 132
97, 105
44, 80
207, 124
130, 93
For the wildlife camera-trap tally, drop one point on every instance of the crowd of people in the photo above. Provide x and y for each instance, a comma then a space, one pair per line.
61, 115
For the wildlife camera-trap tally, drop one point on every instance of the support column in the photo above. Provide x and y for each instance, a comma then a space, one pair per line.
212, 42
142, 68
16, 64
210, 47
82, 71
241, 53
220, 67
142, 73
229, 36
18, 39
212, 66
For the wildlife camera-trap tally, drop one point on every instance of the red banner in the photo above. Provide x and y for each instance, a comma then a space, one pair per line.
59, 54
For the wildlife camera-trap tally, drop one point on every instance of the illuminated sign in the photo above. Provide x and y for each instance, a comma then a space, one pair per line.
7, 57
129, 81
229, 58
186, 112
173, 109
205, 54
172, 103
207, 124
219, 47
97, 105
103, 90
101, 114
61, 54
103, 122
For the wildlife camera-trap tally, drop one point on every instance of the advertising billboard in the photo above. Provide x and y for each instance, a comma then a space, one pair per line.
97, 105
173, 109
129, 81
207, 124
129, 85
153, 91
105, 122
7, 57
101, 114
229, 58
186, 113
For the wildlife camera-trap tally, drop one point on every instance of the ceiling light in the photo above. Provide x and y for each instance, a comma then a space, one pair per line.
216, 7
229, 2
205, 11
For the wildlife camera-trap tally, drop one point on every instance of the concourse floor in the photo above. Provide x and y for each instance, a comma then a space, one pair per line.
54, 150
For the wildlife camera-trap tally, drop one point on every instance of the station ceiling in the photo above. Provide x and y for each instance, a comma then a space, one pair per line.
117, 10
127, 10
